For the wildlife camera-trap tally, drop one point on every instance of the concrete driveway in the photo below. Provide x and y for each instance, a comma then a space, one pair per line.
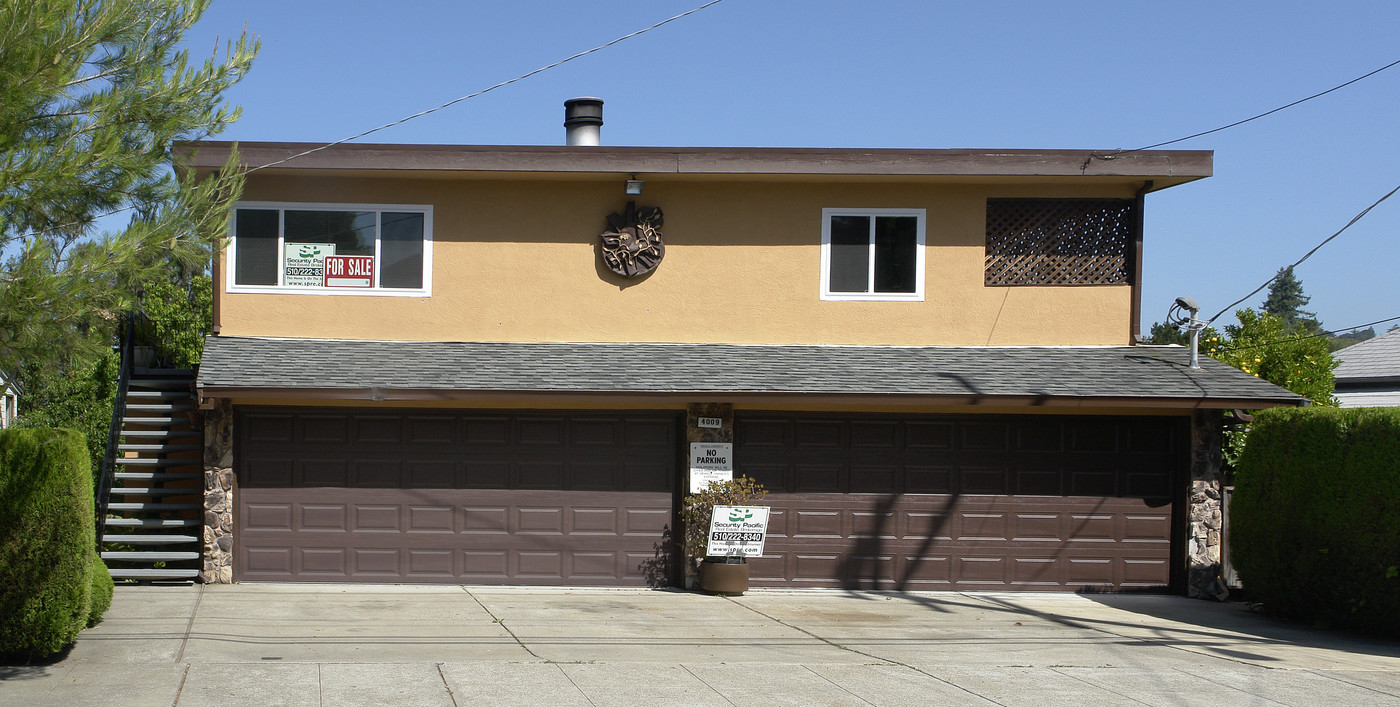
275, 644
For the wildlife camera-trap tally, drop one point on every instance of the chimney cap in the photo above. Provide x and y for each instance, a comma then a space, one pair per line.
584, 110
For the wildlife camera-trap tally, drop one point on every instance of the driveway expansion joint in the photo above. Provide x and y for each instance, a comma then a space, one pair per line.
833, 644
502, 623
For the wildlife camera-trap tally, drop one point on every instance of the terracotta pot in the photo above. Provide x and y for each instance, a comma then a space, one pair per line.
722, 578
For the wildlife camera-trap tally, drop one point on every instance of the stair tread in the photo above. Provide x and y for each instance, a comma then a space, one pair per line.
158, 447
129, 506
149, 556
161, 434
157, 394
141, 491
142, 461
156, 475
147, 539
153, 522
122, 573
157, 407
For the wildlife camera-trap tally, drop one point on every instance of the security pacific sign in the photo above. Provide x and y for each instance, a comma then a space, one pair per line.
737, 531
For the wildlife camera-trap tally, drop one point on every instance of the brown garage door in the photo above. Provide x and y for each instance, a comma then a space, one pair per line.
924, 503
399, 496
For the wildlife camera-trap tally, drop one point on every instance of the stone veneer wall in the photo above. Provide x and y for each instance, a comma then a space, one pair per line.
1205, 517
219, 483
694, 433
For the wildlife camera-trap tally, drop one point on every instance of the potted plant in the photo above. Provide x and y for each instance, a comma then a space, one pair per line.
718, 575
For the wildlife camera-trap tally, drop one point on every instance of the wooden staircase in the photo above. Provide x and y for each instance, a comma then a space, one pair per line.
154, 509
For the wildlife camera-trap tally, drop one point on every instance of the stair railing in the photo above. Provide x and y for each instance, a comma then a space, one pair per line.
109, 463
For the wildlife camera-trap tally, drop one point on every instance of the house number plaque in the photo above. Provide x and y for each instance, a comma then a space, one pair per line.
632, 245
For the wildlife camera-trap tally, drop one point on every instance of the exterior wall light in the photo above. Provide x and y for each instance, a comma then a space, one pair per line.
634, 187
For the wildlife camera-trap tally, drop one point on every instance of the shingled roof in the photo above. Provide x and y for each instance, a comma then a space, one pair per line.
406, 370
1377, 358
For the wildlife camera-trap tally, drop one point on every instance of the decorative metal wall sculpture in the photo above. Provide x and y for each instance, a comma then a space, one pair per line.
633, 247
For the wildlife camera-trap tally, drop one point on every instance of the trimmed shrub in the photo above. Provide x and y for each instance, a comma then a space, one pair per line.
46, 540
1315, 520
102, 588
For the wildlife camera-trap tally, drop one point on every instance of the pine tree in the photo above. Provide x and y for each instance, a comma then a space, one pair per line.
93, 96
1286, 301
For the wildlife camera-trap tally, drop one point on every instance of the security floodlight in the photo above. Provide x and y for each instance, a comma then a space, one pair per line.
1193, 325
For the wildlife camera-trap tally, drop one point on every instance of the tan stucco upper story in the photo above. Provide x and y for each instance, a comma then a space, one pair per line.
512, 243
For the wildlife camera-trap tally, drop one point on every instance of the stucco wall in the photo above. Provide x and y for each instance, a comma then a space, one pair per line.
517, 260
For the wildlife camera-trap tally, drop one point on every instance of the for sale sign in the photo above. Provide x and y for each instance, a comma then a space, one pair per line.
350, 271
737, 531
305, 263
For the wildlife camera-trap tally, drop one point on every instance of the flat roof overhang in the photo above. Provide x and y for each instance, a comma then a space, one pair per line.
1164, 168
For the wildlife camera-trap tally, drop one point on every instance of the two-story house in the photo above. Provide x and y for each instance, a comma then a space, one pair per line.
487, 364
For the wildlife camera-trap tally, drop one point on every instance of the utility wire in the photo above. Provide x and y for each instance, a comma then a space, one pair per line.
507, 82
420, 114
1309, 336
1325, 241
1117, 153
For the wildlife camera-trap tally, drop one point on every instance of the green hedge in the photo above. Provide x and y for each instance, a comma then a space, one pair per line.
46, 541
1315, 519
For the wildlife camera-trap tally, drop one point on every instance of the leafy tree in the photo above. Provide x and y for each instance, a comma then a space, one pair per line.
93, 95
1286, 301
1163, 334
76, 395
177, 316
1261, 345
1341, 341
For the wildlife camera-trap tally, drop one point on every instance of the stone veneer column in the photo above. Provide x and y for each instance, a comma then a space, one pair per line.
219, 483
694, 433
1204, 511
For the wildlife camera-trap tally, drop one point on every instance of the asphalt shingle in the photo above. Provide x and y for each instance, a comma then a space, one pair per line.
1150, 372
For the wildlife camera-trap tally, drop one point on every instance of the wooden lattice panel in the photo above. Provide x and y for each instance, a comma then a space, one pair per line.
1059, 241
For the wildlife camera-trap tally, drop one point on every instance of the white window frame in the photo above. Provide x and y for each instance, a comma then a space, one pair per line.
916, 296
231, 252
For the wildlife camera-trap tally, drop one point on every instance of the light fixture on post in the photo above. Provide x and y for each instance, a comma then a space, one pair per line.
634, 186
1192, 323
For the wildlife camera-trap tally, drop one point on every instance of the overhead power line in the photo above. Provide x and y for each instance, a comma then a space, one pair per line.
420, 114
488, 89
1338, 87
1334, 332
1309, 254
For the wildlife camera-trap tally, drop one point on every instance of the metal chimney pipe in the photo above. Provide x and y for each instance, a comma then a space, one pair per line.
583, 120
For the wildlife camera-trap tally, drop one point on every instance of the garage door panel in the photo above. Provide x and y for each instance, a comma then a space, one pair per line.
315, 517
461, 498
377, 429
432, 430
264, 472
322, 472
486, 519
375, 473
538, 475
1012, 503
430, 474
430, 564
431, 519
486, 473
332, 429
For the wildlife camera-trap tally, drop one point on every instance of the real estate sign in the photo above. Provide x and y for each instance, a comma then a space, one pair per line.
349, 271
305, 264
737, 531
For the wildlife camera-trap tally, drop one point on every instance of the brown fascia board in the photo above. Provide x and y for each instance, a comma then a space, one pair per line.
380, 394
1163, 167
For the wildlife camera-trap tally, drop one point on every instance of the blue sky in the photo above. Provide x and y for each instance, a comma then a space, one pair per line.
915, 74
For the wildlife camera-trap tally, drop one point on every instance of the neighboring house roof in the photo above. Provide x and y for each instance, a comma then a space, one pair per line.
1368, 373
1164, 167
1139, 376
1371, 359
